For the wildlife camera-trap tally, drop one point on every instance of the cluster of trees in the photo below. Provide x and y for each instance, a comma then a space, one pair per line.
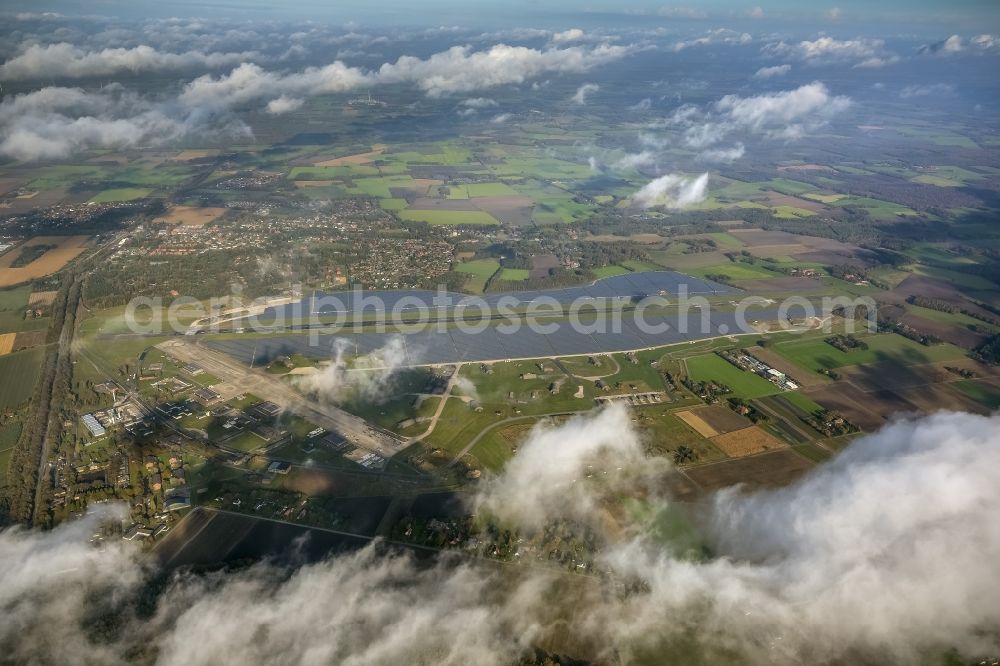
846, 343
741, 406
898, 327
831, 423
709, 391
49, 409
620, 222
989, 351
945, 306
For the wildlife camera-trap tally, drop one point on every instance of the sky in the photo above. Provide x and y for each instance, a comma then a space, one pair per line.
913, 14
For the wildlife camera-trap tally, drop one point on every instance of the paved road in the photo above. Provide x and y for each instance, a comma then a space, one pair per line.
239, 379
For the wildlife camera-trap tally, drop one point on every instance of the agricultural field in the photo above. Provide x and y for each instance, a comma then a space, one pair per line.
664, 434
12, 305
121, 194
735, 271
766, 470
610, 271
190, 216
474, 217
479, 271
9, 434
816, 354
20, 372
984, 393
745, 442
63, 250
712, 367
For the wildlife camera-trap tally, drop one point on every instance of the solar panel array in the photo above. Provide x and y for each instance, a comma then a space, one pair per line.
628, 286
451, 344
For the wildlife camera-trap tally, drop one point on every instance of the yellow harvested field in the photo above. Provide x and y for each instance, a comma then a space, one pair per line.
66, 249
698, 424
6, 342
42, 297
746, 442
190, 216
360, 158
188, 155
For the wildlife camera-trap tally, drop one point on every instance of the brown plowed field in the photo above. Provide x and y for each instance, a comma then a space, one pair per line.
775, 468
746, 442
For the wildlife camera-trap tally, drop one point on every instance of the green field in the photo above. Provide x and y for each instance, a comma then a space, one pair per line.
952, 318
801, 401
662, 434
448, 216
723, 239
392, 204
12, 305
479, 271
960, 279
637, 266
791, 212
9, 433
984, 394
245, 441
19, 371
715, 368
489, 190
823, 198
121, 194
815, 354
610, 271
331, 173
735, 270
516, 274
876, 207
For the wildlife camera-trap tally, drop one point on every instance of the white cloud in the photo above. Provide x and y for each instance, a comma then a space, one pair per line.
833, 13
479, 103
935, 89
284, 104
948, 46
682, 12
571, 35
461, 70
986, 42
672, 191
875, 63
811, 103
830, 48
756, 12
56, 122
545, 478
64, 60
723, 155
645, 158
250, 82
644, 104
720, 36
580, 96
500, 118
784, 115
369, 377
771, 72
